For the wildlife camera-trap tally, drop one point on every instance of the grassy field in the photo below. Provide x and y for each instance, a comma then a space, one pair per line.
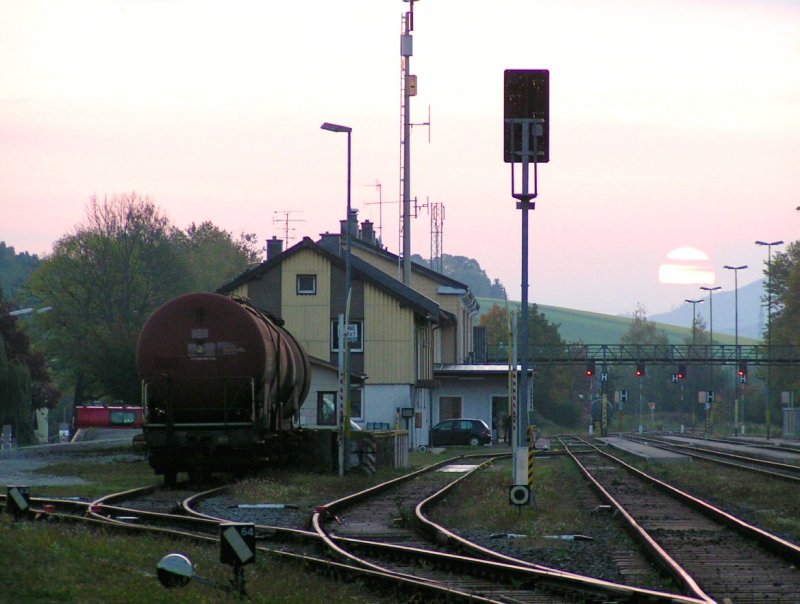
597, 328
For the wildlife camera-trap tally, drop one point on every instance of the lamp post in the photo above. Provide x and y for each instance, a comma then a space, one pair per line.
694, 304
710, 291
736, 270
344, 339
767, 414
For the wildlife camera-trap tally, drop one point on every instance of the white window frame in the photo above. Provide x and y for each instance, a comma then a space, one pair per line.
306, 292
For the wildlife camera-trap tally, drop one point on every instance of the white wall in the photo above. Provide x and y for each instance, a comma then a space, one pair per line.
476, 395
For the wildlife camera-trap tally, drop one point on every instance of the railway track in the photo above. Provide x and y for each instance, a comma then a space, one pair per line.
775, 469
712, 553
782, 447
390, 554
364, 529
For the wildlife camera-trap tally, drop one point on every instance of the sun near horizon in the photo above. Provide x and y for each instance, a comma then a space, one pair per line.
686, 266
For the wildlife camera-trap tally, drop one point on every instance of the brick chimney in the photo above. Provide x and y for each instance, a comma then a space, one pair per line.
274, 247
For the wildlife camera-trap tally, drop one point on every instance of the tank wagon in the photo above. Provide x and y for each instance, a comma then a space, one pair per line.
221, 381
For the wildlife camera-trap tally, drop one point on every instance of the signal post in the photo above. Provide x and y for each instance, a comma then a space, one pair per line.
526, 107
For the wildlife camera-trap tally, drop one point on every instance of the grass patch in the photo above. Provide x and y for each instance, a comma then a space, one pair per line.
103, 477
50, 562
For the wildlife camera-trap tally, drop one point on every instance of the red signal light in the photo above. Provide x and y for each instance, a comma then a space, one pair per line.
589, 369
640, 370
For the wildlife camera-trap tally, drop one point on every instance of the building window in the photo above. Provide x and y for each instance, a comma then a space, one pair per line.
355, 403
449, 407
356, 333
326, 408
306, 285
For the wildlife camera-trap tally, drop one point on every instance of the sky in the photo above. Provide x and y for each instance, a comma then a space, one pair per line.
674, 126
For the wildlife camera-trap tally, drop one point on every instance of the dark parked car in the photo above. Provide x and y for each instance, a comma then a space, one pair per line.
472, 432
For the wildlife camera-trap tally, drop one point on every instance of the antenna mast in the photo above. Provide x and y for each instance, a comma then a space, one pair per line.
436, 209
409, 89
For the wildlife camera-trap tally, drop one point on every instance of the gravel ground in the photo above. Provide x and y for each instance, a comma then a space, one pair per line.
227, 507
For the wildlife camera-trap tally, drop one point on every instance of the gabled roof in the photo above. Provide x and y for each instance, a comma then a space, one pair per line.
406, 296
331, 241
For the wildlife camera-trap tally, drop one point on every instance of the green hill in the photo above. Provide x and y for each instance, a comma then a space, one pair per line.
597, 328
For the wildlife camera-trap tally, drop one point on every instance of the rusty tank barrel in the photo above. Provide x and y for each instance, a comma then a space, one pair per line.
202, 349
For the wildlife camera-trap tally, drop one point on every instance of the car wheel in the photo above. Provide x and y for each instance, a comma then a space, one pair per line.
474, 441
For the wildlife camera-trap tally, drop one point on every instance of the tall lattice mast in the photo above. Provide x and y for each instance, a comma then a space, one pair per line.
436, 209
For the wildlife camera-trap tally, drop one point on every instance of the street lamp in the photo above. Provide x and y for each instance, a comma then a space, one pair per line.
769, 245
736, 270
694, 304
344, 339
710, 291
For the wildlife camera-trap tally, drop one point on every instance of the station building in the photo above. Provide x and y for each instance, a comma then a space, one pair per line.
412, 348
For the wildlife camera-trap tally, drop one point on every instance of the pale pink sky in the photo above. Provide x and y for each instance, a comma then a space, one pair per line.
673, 124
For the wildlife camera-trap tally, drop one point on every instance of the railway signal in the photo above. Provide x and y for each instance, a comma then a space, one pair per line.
590, 369
18, 500
237, 547
237, 543
743, 373
639, 369
526, 95
681, 372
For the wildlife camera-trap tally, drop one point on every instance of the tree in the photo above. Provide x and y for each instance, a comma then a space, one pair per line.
495, 320
553, 386
468, 271
25, 383
103, 281
654, 383
213, 257
498, 290
783, 285
15, 269
107, 277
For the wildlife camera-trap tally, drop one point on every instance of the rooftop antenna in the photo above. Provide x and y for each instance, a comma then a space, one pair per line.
379, 203
285, 220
